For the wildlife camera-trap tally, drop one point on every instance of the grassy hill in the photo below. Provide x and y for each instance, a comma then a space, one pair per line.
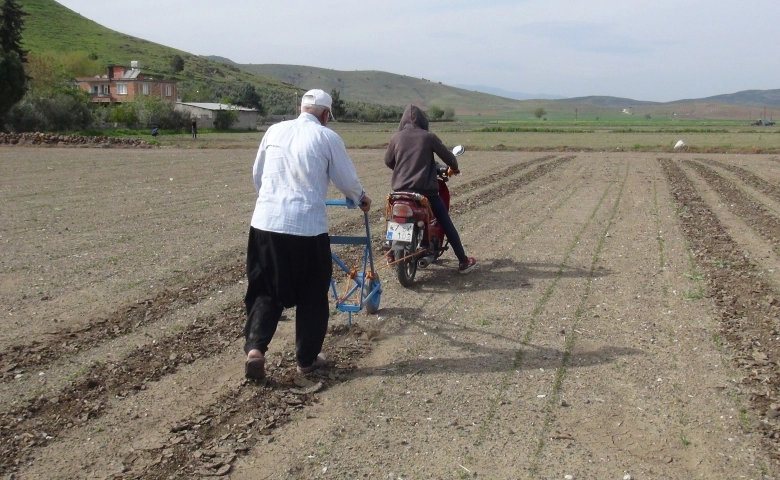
384, 88
393, 89
51, 28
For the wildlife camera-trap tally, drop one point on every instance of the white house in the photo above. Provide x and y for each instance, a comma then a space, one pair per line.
205, 113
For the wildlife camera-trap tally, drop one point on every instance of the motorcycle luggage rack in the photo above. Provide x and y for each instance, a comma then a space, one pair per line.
363, 289
417, 197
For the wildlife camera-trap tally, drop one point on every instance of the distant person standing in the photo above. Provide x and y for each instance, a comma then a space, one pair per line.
194, 129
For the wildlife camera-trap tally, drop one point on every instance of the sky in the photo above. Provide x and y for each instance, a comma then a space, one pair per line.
656, 50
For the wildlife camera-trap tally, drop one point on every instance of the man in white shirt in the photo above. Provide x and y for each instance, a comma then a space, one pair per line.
288, 255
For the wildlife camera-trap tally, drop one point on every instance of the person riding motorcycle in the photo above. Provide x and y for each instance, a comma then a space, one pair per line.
410, 156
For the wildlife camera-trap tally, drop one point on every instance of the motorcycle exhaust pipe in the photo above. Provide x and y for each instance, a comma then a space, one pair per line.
425, 261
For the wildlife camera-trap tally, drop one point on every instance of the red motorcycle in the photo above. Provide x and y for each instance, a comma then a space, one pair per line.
414, 236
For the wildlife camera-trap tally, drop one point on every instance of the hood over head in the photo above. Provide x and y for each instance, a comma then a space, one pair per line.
413, 116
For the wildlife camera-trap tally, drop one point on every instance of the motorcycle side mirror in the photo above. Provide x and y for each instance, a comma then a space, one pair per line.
458, 150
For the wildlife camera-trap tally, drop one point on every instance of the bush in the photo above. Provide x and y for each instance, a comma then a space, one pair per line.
154, 111
225, 119
435, 113
59, 112
124, 113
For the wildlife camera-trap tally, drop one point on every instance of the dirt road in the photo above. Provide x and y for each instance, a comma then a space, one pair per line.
623, 324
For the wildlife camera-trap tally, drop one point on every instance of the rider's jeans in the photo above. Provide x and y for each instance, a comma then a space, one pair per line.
441, 214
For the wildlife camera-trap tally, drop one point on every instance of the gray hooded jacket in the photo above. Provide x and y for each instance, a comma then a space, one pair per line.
410, 155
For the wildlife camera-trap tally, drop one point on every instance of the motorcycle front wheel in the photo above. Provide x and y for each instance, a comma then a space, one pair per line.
407, 269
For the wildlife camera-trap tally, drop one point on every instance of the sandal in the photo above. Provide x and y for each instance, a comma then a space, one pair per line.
319, 362
254, 368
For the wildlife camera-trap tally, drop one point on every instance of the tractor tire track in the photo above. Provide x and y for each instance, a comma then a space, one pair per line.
750, 327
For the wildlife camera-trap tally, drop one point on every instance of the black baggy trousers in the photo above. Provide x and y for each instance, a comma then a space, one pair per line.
285, 271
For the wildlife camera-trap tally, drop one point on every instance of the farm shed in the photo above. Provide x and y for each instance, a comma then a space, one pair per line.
205, 113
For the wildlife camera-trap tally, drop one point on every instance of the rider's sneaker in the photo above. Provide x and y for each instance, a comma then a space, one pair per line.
468, 266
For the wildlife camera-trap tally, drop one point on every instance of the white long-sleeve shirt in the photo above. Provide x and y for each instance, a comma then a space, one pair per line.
295, 163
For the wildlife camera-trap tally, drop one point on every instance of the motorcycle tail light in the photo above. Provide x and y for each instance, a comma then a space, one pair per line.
401, 210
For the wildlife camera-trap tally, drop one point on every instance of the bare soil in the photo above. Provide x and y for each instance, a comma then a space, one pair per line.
623, 323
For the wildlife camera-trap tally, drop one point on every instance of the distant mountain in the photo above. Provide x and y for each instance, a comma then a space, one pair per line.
507, 94
755, 98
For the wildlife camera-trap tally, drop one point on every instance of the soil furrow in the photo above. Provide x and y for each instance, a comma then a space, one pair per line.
34, 423
770, 189
239, 409
128, 317
247, 416
499, 176
125, 319
748, 306
752, 212
508, 187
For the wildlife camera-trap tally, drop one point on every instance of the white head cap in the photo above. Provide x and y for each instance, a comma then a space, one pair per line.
317, 97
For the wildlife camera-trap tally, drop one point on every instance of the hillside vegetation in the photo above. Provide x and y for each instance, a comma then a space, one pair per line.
385, 88
52, 29
393, 89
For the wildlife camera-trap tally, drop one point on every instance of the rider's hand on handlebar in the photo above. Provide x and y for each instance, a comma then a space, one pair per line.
452, 172
365, 203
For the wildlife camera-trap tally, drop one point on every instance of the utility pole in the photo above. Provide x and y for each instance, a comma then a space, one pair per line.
575, 114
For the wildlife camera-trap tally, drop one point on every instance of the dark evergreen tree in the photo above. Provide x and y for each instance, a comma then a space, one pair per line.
13, 81
177, 63
338, 107
11, 26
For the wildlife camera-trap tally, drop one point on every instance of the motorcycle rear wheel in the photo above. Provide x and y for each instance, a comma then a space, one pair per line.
407, 269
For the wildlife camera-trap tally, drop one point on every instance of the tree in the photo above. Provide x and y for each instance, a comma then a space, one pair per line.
338, 107
53, 101
177, 63
449, 114
11, 26
248, 97
540, 112
13, 81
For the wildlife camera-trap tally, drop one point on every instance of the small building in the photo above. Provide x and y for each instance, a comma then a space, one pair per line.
124, 84
205, 113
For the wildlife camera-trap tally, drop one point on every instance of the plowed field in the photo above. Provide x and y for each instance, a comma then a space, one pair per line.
623, 323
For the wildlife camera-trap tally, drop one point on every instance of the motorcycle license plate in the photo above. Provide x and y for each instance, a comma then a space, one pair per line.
399, 232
